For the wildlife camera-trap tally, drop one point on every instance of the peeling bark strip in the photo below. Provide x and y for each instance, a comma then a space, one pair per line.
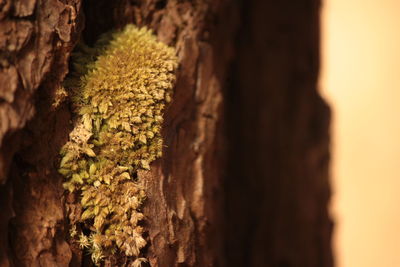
254, 61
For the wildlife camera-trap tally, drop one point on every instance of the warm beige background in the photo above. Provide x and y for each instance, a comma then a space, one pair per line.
361, 79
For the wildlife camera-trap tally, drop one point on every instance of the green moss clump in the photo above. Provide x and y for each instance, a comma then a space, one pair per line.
119, 90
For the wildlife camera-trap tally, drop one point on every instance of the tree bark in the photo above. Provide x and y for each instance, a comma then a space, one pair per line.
278, 189
243, 180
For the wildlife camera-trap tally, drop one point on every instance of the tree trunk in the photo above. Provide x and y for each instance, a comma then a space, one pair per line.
243, 180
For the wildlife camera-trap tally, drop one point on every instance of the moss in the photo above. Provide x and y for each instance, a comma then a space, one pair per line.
119, 90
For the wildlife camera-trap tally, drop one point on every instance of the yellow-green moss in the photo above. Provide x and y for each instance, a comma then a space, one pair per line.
119, 90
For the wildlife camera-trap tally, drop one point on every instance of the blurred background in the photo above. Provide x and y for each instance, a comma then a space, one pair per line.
360, 78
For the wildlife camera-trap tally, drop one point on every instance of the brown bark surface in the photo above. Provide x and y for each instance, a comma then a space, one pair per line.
36, 40
244, 176
278, 189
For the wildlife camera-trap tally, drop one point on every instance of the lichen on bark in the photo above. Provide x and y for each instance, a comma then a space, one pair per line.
119, 90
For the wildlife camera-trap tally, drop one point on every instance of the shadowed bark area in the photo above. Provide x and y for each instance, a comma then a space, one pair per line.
278, 181
243, 180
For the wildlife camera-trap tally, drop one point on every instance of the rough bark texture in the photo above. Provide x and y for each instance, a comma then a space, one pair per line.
244, 176
36, 40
